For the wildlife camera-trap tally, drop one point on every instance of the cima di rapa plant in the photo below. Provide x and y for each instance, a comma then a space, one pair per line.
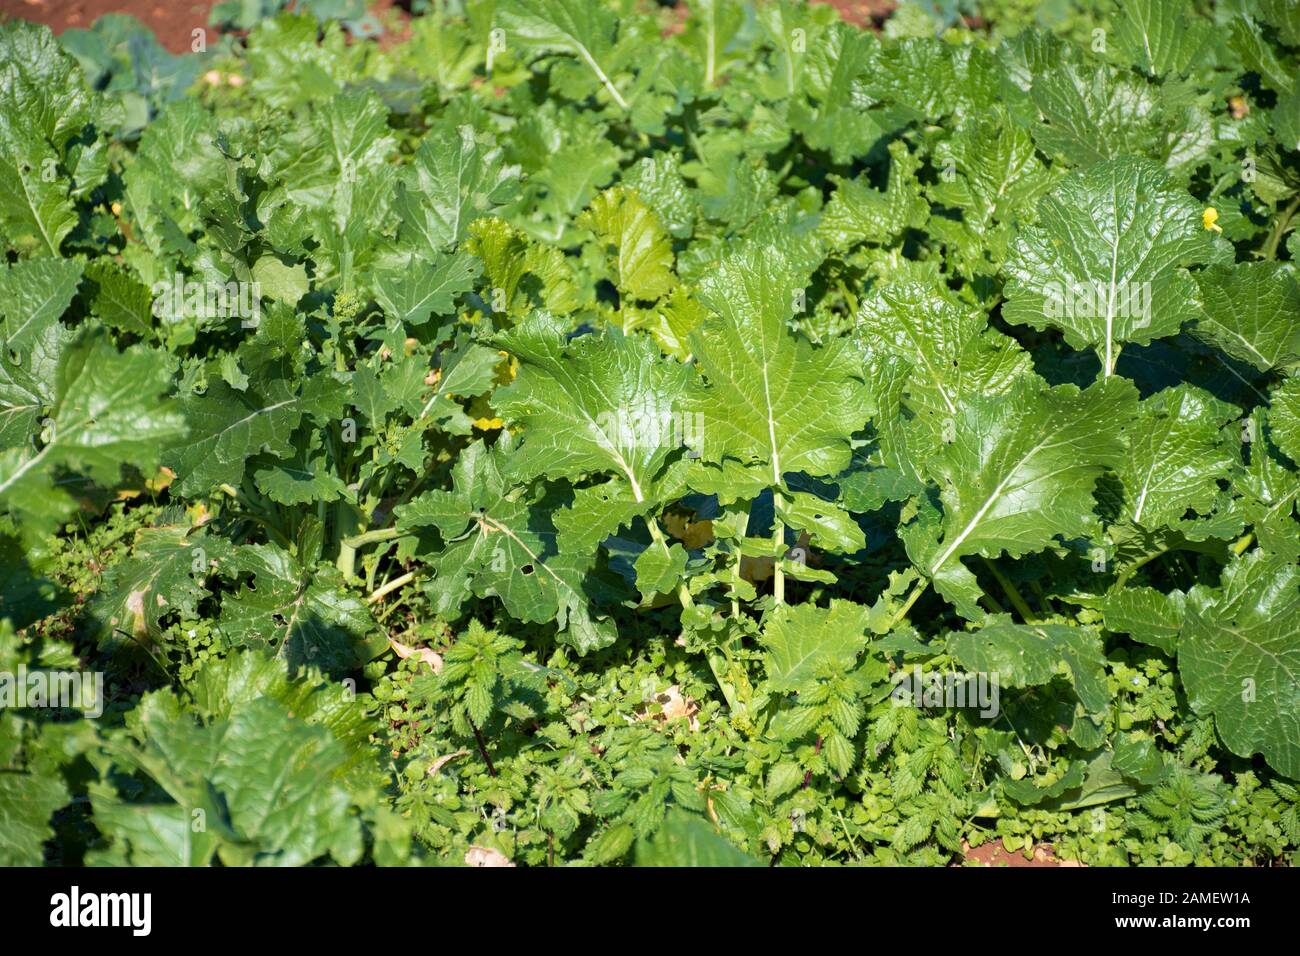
588, 432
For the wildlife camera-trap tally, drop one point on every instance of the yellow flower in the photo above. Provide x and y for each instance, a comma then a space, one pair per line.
487, 424
1210, 219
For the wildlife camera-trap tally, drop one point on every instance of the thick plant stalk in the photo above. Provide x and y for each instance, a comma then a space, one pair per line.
1013, 595
778, 572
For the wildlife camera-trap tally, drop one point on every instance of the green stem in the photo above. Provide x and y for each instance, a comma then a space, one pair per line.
347, 559
1132, 569
370, 537
391, 586
917, 590
1279, 229
741, 528
1013, 595
778, 572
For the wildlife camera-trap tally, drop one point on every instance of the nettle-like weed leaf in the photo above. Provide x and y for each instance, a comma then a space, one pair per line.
1239, 655
1106, 261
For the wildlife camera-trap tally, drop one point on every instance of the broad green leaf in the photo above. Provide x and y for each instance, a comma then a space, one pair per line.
830, 108
1095, 113
495, 543
300, 482
524, 274
42, 85
28, 385
121, 300
107, 412
772, 398
27, 801
658, 569
1246, 37
951, 352
1251, 311
452, 180
36, 211
639, 252
831, 527
594, 404
226, 685
1157, 36
990, 170
929, 77
1269, 484
1106, 262
688, 841
412, 294
575, 27
280, 281
1029, 655
1285, 417
267, 783
227, 428
857, 213
1239, 657
1145, 614
1019, 473
659, 183
800, 639
302, 616
1176, 457
34, 293
165, 574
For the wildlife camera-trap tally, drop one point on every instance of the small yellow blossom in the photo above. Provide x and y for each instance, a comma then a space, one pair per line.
1210, 219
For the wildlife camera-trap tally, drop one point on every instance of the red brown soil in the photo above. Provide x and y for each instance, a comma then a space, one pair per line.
173, 21
995, 854
863, 13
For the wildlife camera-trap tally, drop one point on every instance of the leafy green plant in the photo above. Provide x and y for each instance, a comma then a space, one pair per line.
564, 439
